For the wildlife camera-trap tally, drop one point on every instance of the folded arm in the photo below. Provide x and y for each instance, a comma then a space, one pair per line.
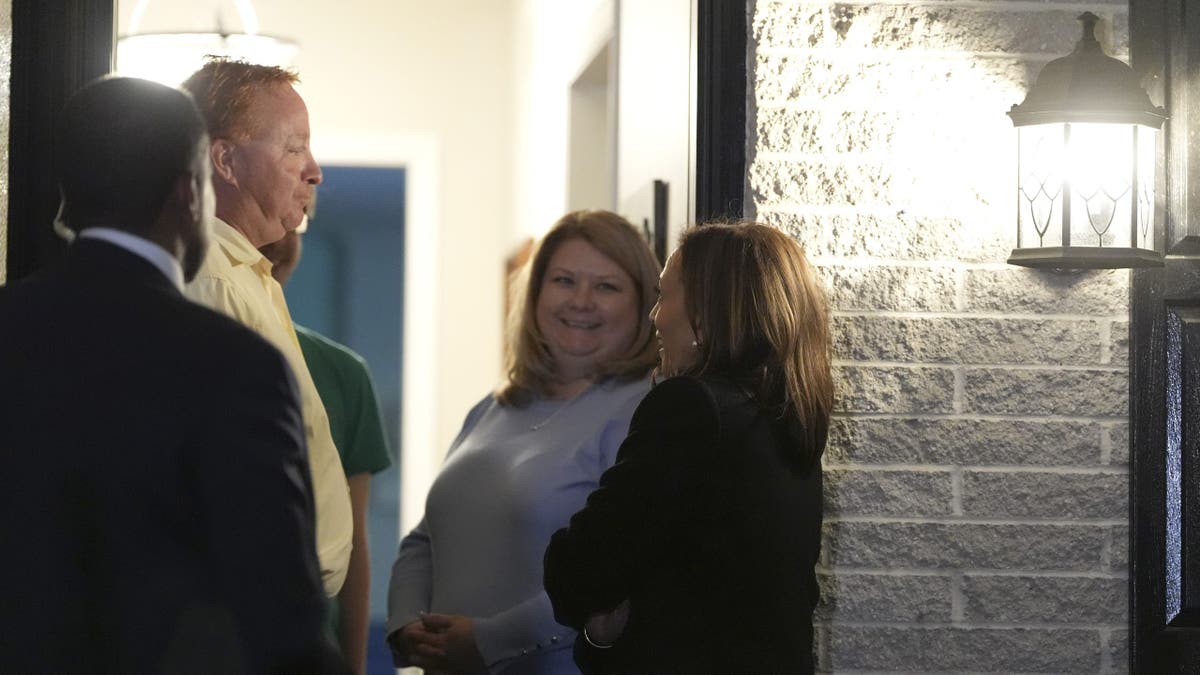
592, 565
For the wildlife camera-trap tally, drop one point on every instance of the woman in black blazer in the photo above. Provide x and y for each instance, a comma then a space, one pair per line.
696, 553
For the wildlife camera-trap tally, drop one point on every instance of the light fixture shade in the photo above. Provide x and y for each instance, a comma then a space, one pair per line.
1087, 138
170, 56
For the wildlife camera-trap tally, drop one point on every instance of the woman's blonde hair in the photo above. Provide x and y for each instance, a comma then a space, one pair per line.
762, 320
528, 361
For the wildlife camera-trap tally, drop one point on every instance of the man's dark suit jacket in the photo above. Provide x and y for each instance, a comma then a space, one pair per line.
711, 526
155, 504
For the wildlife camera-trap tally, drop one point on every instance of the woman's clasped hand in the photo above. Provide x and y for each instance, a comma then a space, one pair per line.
441, 643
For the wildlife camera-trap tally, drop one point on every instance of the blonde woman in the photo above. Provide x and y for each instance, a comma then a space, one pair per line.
466, 593
696, 553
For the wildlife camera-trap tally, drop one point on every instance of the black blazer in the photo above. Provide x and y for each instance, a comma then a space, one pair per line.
156, 511
711, 528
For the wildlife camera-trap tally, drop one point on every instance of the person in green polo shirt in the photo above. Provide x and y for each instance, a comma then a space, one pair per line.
344, 385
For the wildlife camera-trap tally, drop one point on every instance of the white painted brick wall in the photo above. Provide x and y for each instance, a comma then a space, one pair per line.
977, 468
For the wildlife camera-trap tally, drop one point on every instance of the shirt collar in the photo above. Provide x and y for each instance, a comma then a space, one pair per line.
143, 248
236, 246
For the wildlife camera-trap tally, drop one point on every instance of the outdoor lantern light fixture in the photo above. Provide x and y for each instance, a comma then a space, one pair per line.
1087, 136
171, 56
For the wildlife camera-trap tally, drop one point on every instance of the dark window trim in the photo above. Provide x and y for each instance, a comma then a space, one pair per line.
721, 66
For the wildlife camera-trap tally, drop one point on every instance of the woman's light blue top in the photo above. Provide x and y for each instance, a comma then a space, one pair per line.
511, 479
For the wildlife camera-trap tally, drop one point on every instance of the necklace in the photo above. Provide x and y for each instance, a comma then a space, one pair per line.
539, 425
561, 407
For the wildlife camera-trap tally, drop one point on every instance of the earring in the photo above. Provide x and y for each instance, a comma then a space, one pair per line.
695, 344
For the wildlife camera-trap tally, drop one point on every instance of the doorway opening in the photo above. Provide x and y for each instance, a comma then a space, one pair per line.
349, 287
591, 149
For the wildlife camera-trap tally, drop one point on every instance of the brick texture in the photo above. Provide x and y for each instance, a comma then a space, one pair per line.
896, 493
977, 465
1044, 600
967, 340
1118, 651
895, 390
963, 441
1118, 435
1119, 556
964, 649
1020, 290
896, 235
926, 27
1119, 343
885, 597
957, 545
802, 75
891, 288
1082, 393
1036, 494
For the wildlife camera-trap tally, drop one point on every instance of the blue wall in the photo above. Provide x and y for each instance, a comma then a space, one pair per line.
349, 287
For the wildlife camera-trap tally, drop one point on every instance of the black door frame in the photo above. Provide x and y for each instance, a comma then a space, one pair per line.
721, 69
56, 48
1165, 354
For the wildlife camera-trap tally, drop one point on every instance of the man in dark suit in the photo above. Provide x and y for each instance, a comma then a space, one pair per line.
156, 511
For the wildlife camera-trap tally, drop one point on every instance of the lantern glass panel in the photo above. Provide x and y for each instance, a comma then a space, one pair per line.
1147, 148
1100, 172
1041, 155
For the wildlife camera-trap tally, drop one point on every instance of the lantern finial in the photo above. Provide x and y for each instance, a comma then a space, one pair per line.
1087, 41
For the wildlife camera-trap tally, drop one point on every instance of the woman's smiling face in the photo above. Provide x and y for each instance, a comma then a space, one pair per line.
587, 310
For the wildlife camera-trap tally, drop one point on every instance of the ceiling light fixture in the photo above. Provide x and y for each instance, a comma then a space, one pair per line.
170, 56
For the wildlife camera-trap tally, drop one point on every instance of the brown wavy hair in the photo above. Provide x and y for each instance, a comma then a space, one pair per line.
224, 90
763, 321
528, 363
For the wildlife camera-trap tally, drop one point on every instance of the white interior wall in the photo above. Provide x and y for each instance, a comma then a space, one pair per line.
654, 110
554, 41
428, 86
591, 151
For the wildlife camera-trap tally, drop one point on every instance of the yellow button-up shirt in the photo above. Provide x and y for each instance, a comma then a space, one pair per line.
236, 280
